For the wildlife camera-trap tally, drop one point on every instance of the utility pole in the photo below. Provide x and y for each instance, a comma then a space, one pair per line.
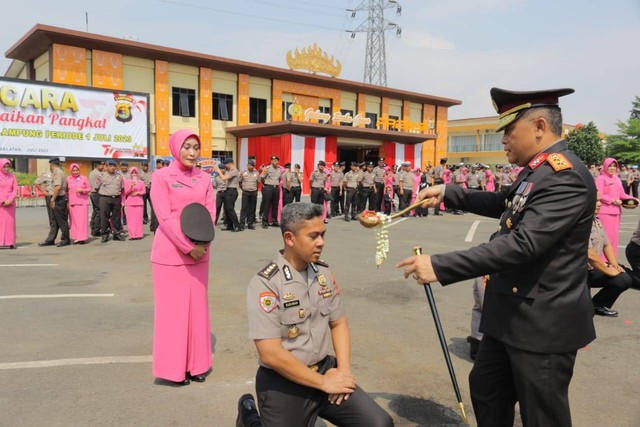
375, 63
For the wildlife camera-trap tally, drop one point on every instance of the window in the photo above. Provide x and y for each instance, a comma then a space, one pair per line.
462, 143
257, 110
222, 107
492, 142
221, 154
184, 102
374, 120
286, 115
344, 113
392, 120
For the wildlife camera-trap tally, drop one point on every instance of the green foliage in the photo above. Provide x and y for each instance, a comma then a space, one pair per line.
586, 143
25, 178
625, 146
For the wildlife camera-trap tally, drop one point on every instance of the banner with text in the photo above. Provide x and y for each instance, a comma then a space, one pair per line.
45, 120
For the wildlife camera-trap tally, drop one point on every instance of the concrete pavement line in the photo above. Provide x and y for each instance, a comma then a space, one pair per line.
398, 222
472, 231
29, 265
75, 362
56, 296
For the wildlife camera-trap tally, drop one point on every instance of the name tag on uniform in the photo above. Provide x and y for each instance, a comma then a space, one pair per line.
292, 304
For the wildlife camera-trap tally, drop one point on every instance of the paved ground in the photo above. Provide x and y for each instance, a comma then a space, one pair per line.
86, 360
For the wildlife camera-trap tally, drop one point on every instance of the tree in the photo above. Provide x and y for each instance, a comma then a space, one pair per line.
625, 146
586, 143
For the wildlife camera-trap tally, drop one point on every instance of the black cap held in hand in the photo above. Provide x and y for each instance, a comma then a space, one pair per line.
196, 223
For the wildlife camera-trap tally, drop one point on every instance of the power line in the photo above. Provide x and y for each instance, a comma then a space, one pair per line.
267, 3
248, 15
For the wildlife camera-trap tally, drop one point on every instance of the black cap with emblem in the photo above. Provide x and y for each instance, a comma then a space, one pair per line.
510, 104
196, 223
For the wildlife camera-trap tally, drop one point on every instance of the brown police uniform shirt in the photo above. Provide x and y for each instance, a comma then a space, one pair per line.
146, 178
110, 184
94, 180
45, 180
378, 174
293, 178
232, 175
318, 179
249, 180
59, 179
367, 179
336, 178
271, 175
406, 180
295, 307
221, 184
598, 238
352, 179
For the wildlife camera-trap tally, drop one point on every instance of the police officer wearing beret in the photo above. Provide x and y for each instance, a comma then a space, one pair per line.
537, 308
292, 303
270, 178
249, 184
110, 190
58, 206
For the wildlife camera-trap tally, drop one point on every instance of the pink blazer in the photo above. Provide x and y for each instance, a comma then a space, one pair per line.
8, 187
174, 188
130, 199
73, 184
610, 189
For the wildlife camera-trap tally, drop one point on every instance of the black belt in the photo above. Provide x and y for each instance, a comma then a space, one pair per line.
269, 185
317, 188
111, 197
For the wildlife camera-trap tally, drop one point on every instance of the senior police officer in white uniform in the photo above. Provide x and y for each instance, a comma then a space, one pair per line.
292, 303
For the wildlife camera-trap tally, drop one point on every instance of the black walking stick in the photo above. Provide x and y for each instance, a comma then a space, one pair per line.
443, 342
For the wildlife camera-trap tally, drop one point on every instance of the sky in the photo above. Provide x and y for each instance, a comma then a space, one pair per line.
456, 49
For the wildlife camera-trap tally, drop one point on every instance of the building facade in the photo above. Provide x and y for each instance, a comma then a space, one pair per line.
242, 109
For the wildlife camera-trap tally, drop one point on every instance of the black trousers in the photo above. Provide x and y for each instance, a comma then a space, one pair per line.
145, 198
270, 197
405, 199
634, 188
350, 203
230, 215
248, 207
296, 193
287, 197
367, 196
632, 251
317, 196
220, 196
437, 181
94, 225
284, 403
344, 193
612, 287
503, 375
60, 222
52, 221
379, 196
335, 200
110, 208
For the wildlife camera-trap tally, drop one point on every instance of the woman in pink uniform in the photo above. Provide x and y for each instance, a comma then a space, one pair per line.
180, 268
8, 193
612, 194
134, 190
78, 189
490, 185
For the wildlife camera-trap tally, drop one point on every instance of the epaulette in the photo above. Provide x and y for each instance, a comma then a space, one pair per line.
559, 162
322, 263
269, 270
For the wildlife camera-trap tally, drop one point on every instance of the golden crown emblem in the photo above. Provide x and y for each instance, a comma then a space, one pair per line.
313, 59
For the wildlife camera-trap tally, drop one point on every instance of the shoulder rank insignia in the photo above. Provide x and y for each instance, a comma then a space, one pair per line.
538, 160
322, 263
269, 270
559, 162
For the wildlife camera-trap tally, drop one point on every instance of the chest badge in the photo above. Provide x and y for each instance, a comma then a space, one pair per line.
301, 313
509, 223
322, 280
288, 296
293, 332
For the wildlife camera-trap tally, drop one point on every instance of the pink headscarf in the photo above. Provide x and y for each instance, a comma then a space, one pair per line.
175, 144
607, 162
134, 170
2, 163
74, 165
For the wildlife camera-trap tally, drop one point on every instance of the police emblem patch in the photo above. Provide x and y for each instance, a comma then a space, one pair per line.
268, 301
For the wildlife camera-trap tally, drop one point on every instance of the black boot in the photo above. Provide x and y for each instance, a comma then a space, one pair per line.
247, 412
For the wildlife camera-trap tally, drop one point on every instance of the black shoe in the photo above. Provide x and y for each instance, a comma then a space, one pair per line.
169, 383
604, 311
13, 247
275, 224
473, 347
119, 237
247, 411
105, 239
145, 221
96, 234
346, 218
237, 230
200, 378
46, 243
264, 225
251, 227
63, 243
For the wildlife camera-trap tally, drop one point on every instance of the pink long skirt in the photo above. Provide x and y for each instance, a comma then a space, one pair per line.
79, 222
611, 224
134, 222
8, 225
182, 330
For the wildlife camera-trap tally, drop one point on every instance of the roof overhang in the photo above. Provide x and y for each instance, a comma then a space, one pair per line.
317, 129
40, 38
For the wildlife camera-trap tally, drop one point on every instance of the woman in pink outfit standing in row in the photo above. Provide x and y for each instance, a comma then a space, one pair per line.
8, 193
78, 189
180, 268
612, 194
134, 190
490, 185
